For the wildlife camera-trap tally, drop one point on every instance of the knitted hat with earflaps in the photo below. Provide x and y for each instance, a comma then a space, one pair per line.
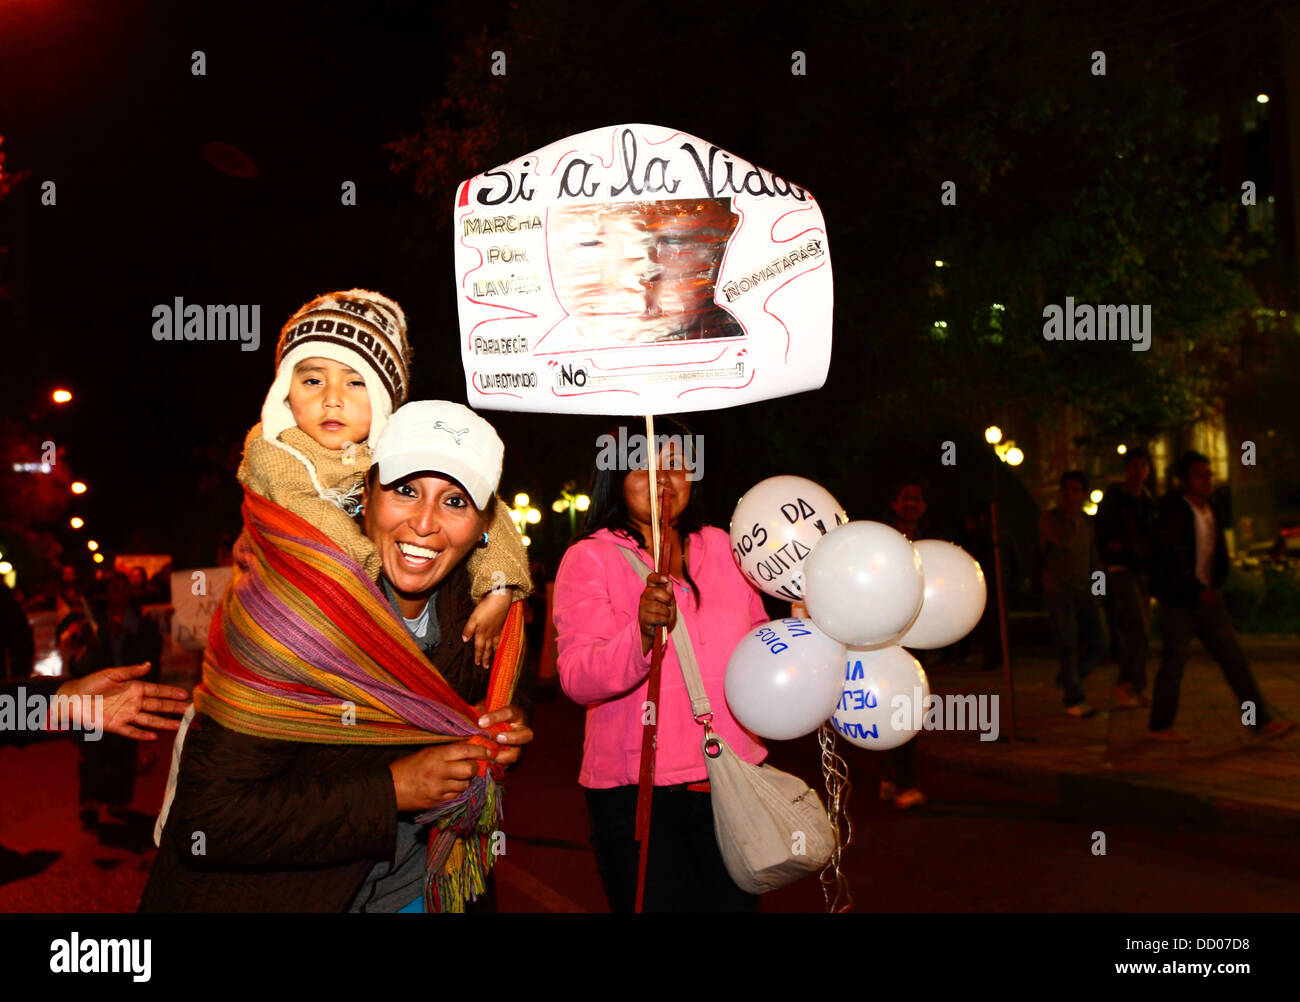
356, 328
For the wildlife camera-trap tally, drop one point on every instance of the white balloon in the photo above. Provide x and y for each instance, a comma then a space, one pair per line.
955, 594
784, 679
775, 526
884, 698
863, 584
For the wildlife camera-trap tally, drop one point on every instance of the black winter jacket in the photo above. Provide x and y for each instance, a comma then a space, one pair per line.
1173, 566
261, 825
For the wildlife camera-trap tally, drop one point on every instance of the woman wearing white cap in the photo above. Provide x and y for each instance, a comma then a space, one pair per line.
325, 823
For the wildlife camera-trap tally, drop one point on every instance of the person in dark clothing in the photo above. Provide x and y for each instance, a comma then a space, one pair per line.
906, 514
17, 644
118, 635
977, 540
127, 706
267, 825
1069, 557
1125, 527
1189, 566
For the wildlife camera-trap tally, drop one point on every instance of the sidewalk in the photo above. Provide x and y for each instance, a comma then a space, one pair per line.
1220, 779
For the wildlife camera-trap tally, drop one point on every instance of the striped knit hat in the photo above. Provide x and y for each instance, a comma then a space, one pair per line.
357, 328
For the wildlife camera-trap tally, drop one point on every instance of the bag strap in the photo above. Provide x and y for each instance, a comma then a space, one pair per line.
681, 638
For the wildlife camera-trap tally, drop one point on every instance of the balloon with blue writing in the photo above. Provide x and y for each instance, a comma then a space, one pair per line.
955, 594
863, 584
883, 702
784, 679
775, 527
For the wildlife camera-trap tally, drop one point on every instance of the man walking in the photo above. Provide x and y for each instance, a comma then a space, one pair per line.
1125, 524
1069, 555
1189, 567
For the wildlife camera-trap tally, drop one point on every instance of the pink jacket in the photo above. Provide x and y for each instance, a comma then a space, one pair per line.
601, 664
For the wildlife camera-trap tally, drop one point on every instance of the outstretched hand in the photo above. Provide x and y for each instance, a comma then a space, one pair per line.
130, 705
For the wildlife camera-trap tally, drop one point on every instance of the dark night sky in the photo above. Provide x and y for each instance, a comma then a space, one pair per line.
100, 98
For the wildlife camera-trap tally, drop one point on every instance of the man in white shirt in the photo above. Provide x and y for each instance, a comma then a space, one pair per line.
1189, 567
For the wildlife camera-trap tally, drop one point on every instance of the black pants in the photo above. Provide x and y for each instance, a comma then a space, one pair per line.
1211, 625
1127, 604
107, 770
684, 873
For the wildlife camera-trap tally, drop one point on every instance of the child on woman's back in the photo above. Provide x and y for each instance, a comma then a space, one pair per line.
342, 367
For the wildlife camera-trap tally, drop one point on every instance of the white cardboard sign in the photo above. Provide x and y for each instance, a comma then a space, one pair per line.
636, 269
195, 596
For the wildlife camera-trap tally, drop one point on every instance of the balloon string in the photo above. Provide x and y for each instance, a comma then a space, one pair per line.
835, 770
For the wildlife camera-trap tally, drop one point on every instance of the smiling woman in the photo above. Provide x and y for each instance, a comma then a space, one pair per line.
347, 753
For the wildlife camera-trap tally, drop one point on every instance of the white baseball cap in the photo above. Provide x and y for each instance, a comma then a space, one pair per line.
438, 436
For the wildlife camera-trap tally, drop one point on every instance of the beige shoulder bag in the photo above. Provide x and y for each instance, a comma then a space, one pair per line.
771, 826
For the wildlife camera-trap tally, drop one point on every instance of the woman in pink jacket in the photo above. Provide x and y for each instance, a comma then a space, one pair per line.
605, 615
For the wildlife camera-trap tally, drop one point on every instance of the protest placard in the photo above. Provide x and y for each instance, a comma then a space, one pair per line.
636, 269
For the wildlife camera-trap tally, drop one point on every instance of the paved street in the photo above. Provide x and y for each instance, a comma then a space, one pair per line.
1008, 827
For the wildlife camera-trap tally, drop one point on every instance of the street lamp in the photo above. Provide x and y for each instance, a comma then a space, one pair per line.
99, 558
91, 545
523, 514
77, 521
1006, 451
571, 502
78, 487
60, 396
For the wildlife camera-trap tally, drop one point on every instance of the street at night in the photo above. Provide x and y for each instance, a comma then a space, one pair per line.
614, 478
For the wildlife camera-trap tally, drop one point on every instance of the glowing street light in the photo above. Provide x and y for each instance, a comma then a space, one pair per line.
77, 521
60, 396
532, 516
1121, 448
1262, 98
582, 503
5, 566
527, 541
78, 487
1095, 497
521, 500
1014, 456
91, 545
993, 434
1090, 509
560, 506
99, 558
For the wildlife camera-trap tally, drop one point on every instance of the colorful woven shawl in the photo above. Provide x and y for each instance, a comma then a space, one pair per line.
305, 647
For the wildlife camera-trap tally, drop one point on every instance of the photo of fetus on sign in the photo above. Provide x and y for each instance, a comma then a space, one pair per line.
640, 272
636, 269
